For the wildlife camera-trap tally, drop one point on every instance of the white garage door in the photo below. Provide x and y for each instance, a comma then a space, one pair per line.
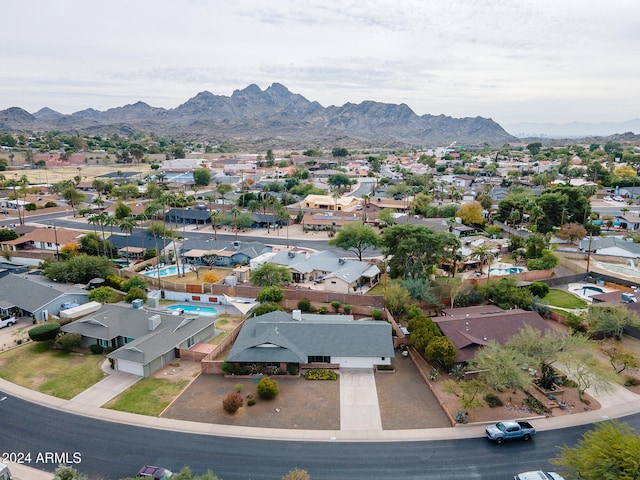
130, 367
354, 362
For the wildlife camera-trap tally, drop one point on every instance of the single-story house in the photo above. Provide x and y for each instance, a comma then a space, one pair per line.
336, 273
328, 202
50, 239
144, 340
471, 328
188, 216
278, 339
329, 220
612, 246
36, 296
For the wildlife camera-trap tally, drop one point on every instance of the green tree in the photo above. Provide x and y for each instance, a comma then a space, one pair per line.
73, 196
339, 181
386, 216
270, 274
339, 152
572, 232
471, 214
100, 294
356, 237
534, 148
270, 294
396, 298
501, 367
201, 177
608, 452
442, 351
7, 234
414, 249
122, 211
610, 320
420, 289
470, 393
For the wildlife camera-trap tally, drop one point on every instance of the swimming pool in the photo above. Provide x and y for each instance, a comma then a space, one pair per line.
195, 310
588, 291
506, 271
164, 272
629, 272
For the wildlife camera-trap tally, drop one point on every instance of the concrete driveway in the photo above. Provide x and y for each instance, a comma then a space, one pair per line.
9, 335
359, 409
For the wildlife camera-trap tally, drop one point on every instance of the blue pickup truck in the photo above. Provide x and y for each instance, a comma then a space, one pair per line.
510, 430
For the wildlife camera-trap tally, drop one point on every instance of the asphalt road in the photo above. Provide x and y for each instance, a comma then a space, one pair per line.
107, 450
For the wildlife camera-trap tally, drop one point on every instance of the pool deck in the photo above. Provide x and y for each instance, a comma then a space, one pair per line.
576, 289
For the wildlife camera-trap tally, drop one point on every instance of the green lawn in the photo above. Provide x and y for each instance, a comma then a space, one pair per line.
560, 298
38, 367
149, 396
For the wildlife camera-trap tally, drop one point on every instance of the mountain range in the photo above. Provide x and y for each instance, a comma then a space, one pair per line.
271, 118
277, 118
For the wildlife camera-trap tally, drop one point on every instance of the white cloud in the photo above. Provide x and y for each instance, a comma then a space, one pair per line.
529, 60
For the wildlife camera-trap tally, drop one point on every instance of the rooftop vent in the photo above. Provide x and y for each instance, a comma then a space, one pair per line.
629, 298
297, 315
154, 321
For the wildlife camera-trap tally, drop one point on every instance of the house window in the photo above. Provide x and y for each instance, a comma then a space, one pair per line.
383, 358
103, 343
318, 359
195, 298
190, 342
49, 244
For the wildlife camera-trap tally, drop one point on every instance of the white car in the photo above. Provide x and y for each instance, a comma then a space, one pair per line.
538, 475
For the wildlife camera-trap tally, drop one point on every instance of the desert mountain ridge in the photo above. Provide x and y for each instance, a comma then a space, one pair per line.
270, 118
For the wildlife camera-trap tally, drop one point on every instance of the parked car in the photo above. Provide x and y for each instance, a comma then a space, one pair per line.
510, 430
538, 475
156, 473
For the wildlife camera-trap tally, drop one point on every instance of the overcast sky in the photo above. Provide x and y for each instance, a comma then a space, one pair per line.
510, 60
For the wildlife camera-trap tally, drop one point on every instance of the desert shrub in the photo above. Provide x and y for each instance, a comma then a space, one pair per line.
30, 207
320, 374
50, 204
630, 381
238, 387
134, 294
539, 289
267, 388
297, 474
251, 402
389, 368
211, 277
265, 308
114, 281
574, 322
100, 294
44, 332
292, 369
347, 309
232, 402
304, 305
376, 314
336, 305
134, 282
534, 405
493, 400
322, 310
69, 341
458, 371
96, 349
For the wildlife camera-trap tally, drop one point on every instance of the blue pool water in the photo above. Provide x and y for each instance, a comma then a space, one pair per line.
506, 271
164, 272
194, 309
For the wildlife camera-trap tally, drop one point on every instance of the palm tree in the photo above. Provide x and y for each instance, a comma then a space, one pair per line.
536, 214
102, 219
127, 224
484, 254
215, 221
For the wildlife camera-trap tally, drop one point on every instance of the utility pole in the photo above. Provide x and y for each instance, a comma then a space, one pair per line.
589, 250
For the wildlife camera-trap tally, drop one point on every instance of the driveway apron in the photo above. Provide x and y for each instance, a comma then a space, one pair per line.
359, 409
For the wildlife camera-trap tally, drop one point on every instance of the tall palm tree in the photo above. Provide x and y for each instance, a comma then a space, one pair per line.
127, 224
102, 219
484, 254
215, 221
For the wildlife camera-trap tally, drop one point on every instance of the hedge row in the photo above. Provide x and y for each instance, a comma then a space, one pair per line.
320, 374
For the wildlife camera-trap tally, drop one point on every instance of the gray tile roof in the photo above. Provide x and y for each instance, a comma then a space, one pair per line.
113, 321
32, 292
277, 337
325, 261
